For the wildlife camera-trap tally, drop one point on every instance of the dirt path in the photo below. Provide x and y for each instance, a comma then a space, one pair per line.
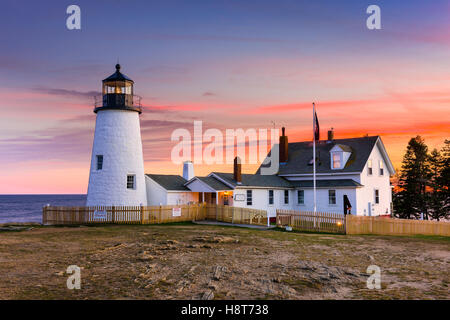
205, 262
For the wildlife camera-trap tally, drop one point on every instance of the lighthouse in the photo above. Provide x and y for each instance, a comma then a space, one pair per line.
116, 176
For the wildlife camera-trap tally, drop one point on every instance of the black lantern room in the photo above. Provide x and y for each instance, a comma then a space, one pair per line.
118, 93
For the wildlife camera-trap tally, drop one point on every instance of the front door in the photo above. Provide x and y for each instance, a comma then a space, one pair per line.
225, 199
347, 205
370, 209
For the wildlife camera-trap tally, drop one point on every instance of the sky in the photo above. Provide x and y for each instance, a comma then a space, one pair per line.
230, 64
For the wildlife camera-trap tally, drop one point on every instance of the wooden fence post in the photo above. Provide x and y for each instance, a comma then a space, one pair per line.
160, 214
44, 215
142, 214
113, 213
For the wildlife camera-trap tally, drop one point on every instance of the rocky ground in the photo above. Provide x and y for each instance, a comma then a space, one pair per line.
188, 261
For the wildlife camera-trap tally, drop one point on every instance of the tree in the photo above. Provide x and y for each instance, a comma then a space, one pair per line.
436, 194
411, 201
444, 179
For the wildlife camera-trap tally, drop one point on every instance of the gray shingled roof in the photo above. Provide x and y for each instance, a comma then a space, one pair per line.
300, 155
169, 181
255, 180
214, 183
331, 183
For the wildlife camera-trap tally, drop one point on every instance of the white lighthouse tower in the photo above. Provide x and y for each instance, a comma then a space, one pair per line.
117, 165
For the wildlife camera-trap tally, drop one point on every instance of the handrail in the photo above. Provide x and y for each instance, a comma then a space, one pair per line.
98, 101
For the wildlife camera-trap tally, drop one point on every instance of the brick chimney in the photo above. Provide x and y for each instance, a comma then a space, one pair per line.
283, 146
237, 170
330, 135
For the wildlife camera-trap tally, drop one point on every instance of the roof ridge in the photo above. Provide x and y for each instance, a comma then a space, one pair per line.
336, 140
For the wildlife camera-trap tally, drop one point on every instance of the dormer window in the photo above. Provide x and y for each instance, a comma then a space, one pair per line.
337, 160
339, 155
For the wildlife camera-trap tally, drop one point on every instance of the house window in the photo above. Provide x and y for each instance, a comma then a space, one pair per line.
300, 196
377, 196
99, 162
286, 196
270, 196
249, 197
131, 181
369, 167
336, 160
381, 168
331, 196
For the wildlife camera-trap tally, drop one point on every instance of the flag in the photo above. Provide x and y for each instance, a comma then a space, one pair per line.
316, 128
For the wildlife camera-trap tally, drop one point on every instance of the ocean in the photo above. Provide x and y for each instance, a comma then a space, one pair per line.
28, 208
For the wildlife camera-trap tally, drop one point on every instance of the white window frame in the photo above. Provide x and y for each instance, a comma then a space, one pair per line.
340, 155
298, 197
381, 168
286, 192
249, 197
376, 195
134, 181
273, 197
97, 157
369, 167
329, 197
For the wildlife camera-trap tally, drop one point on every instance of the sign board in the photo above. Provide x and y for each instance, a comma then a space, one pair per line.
176, 212
100, 215
239, 197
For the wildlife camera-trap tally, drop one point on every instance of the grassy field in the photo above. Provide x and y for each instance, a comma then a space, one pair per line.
187, 261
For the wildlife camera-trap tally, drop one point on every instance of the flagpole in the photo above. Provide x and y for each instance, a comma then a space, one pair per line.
314, 160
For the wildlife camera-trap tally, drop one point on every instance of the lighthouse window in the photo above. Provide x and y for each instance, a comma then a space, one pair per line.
99, 162
131, 178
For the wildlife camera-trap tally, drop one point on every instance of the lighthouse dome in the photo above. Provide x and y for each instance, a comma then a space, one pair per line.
118, 94
117, 76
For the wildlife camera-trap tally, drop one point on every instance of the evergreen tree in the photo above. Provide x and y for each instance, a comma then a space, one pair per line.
411, 201
444, 179
436, 194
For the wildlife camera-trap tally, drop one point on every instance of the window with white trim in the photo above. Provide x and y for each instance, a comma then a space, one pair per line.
337, 162
300, 196
381, 168
286, 196
249, 197
332, 197
369, 167
377, 196
99, 162
131, 181
270, 196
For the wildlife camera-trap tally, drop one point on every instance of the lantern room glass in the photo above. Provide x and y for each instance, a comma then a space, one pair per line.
118, 87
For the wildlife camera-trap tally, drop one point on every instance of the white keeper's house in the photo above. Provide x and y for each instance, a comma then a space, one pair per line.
352, 175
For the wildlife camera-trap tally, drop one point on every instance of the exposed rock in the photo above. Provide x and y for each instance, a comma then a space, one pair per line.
217, 239
218, 271
146, 256
208, 295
